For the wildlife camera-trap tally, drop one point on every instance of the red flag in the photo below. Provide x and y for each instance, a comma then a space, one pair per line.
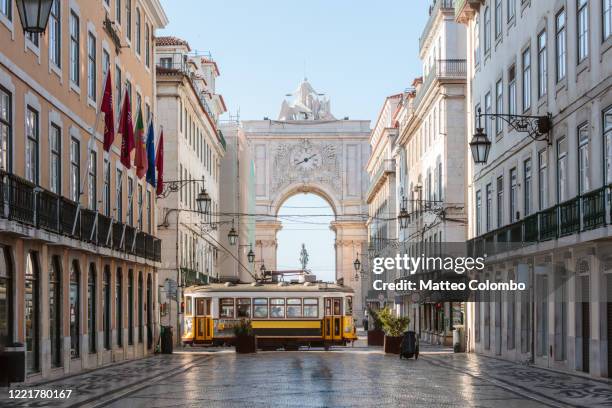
159, 164
126, 129
109, 116
140, 159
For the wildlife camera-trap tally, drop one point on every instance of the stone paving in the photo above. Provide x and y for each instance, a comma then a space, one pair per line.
349, 377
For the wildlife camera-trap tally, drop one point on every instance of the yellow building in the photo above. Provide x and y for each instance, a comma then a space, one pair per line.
76, 292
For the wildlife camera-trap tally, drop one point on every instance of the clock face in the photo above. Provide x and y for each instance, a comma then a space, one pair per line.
305, 158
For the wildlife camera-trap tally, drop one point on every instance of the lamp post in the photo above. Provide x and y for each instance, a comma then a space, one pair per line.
537, 128
34, 14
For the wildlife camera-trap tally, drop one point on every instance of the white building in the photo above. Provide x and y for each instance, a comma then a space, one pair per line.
188, 110
548, 198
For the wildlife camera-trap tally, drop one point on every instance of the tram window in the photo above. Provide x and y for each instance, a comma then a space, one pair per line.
337, 307
226, 308
200, 306
294, 307
277, 308
243, 308
349, 306
260, 308
311, 307
188, 306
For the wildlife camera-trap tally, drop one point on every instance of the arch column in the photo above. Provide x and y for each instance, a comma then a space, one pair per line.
351, 239
266, 245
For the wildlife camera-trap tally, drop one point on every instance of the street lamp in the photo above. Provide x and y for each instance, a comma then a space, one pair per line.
251, 255
34, 14
203, 201
232, 235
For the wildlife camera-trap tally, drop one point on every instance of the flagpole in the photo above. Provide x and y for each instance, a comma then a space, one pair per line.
89, 149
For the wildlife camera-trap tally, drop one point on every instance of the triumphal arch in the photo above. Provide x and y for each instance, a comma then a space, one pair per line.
308, 150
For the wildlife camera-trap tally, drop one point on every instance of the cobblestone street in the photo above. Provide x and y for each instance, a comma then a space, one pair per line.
352, 377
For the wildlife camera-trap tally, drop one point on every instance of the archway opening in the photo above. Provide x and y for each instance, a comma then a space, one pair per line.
306, 220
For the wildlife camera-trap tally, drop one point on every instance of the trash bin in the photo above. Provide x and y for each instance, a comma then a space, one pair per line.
166, 340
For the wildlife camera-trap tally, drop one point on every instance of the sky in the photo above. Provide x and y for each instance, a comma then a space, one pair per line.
357, 52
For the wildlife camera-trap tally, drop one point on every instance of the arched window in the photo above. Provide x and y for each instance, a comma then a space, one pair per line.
119, 306
106, 308
149, 312
91, 307
6, 298
32, 313
55, 311
75, 309
140, 308
131, 307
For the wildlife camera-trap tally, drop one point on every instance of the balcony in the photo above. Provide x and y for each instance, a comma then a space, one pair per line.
27, 204
451, 69
583, 213
386, 167
444, 5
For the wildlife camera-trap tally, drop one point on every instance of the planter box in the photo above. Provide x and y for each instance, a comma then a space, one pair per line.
393, 345
246, 344
376, 338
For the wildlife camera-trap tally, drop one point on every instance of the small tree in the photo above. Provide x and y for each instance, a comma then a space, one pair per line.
393, 326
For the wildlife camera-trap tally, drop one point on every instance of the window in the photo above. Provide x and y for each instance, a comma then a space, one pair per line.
55, 143
500, 201
243, 308
487, 30
561, 45
75, 309
498, 18
607, 19
542, 67
527, 183
226, 308
311, 308
130, 202
147, 46
32, 139
562, 179
260, 308
583, 159
91, 308
526, 79
6, 299
92, 181
140, 309
543, 179
106, 318
131, 307
583, 29
119, 195
32, 314
138, 32
499, 106
512, 90
514, 216
128, 19
74, 48
106, 192
488, 111
118, 11
119, 306
91, 66
55, 34
294, 307
277, 308
75, 169
478, 213
511, 9
6, 130
6, 9
489, 206
607, 131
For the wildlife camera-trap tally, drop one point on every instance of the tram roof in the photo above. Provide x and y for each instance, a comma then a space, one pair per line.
270, 287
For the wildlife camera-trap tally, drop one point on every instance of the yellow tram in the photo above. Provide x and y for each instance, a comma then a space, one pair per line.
282, 314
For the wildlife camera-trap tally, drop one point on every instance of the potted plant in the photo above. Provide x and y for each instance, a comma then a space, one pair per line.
394, 327
246, 341
376, 335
